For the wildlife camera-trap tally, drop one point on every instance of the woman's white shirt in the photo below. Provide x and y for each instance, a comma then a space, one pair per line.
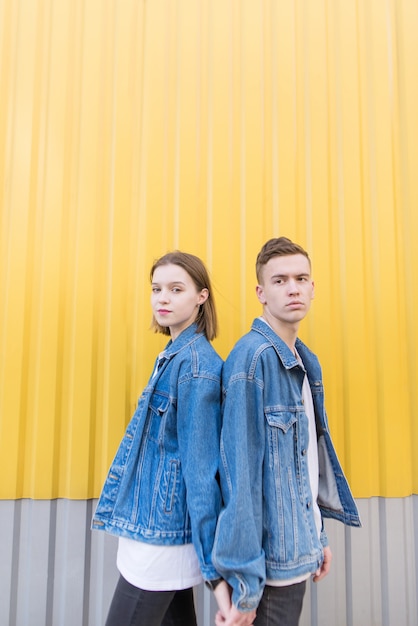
158, 568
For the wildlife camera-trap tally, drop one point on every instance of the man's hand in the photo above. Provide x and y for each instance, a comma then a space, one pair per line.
228, 614
325, 567
235, 618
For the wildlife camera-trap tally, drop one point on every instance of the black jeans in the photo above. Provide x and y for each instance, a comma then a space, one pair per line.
281, 606
136, 607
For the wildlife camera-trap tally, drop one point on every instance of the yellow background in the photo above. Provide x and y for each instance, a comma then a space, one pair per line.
129, 128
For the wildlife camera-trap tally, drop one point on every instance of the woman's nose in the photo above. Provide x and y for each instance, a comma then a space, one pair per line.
164, 296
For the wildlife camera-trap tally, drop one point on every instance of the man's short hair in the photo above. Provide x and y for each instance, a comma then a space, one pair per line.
280, 246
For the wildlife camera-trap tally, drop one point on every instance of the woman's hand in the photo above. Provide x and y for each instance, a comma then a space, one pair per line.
222, 594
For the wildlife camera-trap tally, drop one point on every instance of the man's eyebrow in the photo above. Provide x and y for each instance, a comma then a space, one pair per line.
302, 274
284, 275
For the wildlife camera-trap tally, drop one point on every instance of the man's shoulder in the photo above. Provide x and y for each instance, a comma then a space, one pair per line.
252, 339
247, 351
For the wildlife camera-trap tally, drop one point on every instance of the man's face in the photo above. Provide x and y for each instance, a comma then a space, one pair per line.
286, 289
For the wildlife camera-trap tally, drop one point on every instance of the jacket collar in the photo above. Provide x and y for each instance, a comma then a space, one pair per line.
284, 353
186, 337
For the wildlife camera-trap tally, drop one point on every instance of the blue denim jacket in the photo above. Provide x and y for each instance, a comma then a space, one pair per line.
267, 526
162, 486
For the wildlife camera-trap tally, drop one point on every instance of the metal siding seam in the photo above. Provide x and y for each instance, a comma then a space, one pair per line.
51, 563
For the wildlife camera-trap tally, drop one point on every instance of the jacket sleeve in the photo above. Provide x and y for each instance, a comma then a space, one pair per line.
199, 424
238, 553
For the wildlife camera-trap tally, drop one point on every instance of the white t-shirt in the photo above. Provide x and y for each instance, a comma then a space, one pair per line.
158, 568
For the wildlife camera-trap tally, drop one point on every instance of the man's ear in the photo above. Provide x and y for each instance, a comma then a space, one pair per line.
260, 294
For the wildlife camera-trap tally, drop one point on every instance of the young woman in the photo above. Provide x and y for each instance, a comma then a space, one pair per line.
161, 495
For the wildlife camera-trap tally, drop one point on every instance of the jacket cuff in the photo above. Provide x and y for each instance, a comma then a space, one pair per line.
209, 572
323, 538
245, 598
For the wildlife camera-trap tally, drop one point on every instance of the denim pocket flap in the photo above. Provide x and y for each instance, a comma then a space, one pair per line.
281, 419
159, 403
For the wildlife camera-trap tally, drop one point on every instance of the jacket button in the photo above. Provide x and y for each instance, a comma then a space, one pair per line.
308, 506
303, 452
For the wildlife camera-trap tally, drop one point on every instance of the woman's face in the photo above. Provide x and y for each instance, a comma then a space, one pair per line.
175, 300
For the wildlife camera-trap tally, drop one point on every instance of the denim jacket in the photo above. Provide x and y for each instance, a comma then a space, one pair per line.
267, 526
162, 486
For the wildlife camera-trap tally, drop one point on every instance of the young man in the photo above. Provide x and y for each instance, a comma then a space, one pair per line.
279, 472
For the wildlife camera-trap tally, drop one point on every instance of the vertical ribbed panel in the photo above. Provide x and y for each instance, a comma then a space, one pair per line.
129, 128
55, 571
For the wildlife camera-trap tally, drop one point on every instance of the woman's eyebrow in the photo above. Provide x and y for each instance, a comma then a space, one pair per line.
175, 282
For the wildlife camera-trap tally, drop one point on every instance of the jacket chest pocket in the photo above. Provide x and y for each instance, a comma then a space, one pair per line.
157, 416
282, 436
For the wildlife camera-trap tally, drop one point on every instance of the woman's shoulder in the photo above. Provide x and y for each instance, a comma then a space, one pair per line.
204, 356
204, 346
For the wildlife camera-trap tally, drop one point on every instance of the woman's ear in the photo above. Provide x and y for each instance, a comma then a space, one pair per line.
203, 296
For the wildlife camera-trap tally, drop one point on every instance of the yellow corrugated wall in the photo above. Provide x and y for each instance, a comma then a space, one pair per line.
129, 128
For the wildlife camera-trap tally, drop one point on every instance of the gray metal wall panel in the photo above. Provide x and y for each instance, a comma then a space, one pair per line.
55, 572
7, 509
